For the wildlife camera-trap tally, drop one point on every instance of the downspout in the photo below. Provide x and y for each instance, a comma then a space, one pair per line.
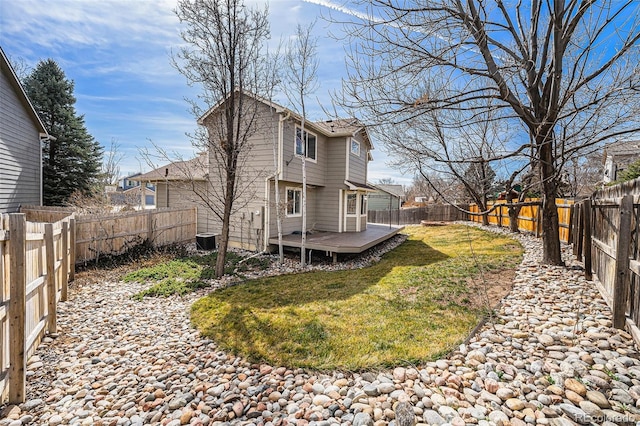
267, 212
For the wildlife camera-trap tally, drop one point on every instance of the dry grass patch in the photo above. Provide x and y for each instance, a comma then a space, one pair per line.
416, 304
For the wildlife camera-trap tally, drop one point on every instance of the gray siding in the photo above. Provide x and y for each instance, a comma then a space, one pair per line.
379, 200
292, 224
316, 171
181, 194
328, 215
247, 220
358, 163
20, 167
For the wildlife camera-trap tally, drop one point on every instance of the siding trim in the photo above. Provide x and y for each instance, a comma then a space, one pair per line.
341, 219
347, 153
267, 212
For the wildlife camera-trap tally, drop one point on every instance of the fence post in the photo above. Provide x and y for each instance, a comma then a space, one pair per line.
580, 236
586, 220
576, 230
150, 227
621, 283
52, 290
64, 291
17, 307
570, 225
538, 221
72, 250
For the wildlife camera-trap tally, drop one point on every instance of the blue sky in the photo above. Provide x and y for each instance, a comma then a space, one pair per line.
117, 52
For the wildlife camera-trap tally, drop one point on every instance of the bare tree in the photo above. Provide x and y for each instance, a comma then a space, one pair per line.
301, 80
110, 172
273, 79
224, 46
438, 148
565, 71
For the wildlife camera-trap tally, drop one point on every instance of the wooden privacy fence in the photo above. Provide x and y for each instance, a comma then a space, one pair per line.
435, 212
607, 229
529, 218
35, 261
102, 235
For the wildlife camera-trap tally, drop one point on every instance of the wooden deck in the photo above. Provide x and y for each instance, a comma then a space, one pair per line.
345, 242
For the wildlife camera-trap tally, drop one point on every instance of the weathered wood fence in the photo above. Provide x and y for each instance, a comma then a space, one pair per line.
435, 213
38, 252
35, 260
529, 219
101, 235
606, 236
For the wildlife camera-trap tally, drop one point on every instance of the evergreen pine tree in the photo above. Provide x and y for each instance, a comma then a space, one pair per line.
72, 161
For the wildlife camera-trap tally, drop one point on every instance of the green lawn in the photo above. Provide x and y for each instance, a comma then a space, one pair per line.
414, 305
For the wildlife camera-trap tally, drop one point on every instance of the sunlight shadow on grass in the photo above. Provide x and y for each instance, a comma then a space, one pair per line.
396, 310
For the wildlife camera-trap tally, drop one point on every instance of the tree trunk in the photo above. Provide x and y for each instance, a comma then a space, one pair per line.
485, 219
303, 245
514, 212
226, 218
551, 253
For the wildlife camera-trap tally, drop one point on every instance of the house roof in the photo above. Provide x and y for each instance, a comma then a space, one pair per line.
395, 190
341, 127
7, 69
356, 186
622, 148
195, 169
137, 189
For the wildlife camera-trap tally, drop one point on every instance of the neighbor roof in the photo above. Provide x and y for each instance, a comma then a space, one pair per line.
623, 148
395, 190
194, 169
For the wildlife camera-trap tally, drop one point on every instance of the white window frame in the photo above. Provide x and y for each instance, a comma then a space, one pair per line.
363, 204
306, 144
295, 190
354, 143
355, 213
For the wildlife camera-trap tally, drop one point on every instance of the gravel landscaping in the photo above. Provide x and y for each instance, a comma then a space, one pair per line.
549, 356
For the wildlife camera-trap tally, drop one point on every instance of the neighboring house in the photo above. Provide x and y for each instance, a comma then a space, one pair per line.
21, 132
177, 185
131, 181
386, 197
617, 157
337, 153
132, 197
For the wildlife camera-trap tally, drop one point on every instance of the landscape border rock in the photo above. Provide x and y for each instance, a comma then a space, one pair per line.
549, 357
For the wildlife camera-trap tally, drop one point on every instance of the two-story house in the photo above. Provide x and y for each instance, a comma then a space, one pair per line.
336, 154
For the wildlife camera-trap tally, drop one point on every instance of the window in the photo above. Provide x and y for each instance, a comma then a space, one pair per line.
351, 203
306, 144
355, 147
363, 205
294, 202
